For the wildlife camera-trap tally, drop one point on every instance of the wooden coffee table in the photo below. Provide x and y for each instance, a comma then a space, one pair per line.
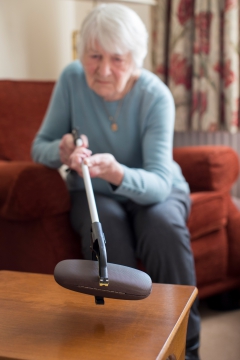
40, 320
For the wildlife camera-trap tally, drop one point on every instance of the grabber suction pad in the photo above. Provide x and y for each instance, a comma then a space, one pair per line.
82, 276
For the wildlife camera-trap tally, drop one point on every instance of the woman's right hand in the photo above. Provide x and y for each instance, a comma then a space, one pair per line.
67, 147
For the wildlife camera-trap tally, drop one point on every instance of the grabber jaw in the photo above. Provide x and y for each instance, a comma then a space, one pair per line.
99, 253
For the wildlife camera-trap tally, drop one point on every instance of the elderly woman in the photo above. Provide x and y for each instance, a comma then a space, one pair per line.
126, 116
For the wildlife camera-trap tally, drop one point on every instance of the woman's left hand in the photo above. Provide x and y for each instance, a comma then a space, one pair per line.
104, 166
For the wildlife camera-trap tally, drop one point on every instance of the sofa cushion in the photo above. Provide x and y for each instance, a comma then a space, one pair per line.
30, 191
208, 168
38, 245
211, 257
22, 108
233, 229
208, 213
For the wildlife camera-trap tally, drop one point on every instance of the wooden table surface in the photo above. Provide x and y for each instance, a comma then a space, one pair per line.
40, 320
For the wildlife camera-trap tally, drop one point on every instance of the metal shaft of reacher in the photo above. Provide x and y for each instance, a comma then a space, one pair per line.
90, 196
89, 189
98, 238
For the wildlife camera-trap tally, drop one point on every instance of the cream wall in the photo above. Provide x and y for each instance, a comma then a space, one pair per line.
35, 36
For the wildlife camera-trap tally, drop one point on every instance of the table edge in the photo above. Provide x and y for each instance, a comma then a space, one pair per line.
176, 327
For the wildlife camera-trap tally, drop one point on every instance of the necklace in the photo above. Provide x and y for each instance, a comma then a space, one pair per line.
111, 118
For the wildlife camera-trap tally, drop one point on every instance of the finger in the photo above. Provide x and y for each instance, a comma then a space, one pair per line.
66, 147
90, 162
94, 160
75, 161
78, 155
82, 152
87, 162
69, 142
84, 140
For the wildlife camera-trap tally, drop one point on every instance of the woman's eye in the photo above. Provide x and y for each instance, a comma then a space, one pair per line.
95, 56
117, 59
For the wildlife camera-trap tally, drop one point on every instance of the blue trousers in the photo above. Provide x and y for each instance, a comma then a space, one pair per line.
156, 234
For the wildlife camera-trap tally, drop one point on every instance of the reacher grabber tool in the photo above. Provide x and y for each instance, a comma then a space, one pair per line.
97, 277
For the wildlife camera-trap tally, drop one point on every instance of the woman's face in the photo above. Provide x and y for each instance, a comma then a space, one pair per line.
108, 75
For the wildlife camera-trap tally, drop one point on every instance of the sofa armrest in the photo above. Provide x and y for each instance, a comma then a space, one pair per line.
29, 191
208, 168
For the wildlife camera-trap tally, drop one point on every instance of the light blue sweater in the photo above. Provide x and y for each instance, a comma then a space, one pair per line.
142, 144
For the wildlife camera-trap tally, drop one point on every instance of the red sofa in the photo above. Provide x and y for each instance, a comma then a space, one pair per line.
35, 232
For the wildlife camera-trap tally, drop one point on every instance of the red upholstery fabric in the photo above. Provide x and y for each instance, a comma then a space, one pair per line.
217, 287
211, 257
37, 245
34, 202
209, 213
233, 229
23, 105
208, 168
29, 191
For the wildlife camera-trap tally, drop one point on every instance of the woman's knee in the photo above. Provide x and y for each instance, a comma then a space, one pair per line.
110, 210
161, 229
163, 245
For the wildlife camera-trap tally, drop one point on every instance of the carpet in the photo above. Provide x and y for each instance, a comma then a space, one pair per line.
220, 334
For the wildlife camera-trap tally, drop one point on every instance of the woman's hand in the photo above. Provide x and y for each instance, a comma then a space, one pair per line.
67, 147
103, 166
106, 167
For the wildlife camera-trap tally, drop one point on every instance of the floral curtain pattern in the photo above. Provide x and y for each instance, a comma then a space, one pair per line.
196, 53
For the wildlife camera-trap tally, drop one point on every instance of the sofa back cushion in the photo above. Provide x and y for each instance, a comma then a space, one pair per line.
208, 167
22, 108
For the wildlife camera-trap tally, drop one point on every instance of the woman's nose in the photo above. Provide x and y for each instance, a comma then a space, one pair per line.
104, 68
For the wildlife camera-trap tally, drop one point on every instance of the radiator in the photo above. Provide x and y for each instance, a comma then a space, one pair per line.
206, 138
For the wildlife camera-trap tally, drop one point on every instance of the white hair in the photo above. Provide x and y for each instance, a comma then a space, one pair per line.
117, 29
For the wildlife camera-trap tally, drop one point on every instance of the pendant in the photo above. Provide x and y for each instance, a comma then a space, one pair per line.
114, 127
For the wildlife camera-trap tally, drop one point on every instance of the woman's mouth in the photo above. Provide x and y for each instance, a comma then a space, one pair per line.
103, 82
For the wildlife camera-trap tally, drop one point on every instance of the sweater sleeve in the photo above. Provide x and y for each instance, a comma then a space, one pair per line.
153, 182
56, 123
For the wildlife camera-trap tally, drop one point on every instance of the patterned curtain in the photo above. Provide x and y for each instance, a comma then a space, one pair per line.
196, 52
